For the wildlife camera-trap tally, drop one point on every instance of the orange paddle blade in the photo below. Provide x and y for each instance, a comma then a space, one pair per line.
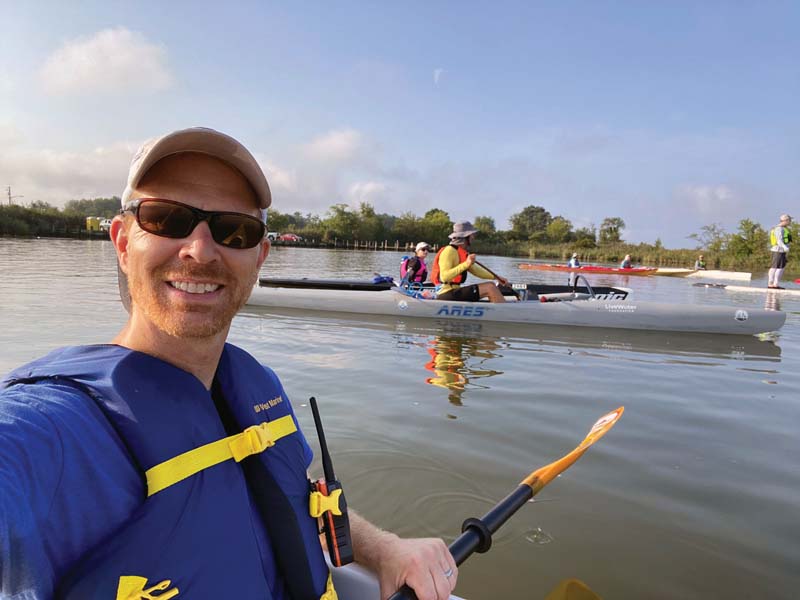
572, 589
541, 477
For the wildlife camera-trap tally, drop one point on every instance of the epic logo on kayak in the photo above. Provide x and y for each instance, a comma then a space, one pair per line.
462, 311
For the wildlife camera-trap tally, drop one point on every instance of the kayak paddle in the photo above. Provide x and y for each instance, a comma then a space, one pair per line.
476, 534
496, 276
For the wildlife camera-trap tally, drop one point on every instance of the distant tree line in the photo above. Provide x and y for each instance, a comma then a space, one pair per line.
532, 224
341, 222
43, 219
533, 232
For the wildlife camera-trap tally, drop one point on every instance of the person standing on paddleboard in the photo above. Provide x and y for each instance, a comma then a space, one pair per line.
573, 263
700, 263
454, 261
170, 462
780, 237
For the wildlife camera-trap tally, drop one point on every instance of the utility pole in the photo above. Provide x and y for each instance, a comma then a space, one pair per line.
10, 197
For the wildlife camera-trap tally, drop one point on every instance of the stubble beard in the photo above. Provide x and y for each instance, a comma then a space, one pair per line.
184, 319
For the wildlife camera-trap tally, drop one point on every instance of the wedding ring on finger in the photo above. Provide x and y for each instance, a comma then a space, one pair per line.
448, 573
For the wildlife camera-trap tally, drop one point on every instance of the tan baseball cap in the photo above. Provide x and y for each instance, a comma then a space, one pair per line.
206, 141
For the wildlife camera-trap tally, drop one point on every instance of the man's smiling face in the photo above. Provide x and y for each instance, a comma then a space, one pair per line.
190, 287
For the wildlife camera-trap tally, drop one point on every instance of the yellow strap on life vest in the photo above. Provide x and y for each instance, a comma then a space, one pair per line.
318, 503
132, 587
330, 593
252, 440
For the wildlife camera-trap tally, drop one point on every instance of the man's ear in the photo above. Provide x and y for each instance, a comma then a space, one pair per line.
263, 252
119, 237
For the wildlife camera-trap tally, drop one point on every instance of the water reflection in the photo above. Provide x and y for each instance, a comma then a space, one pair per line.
457, 362
772, 301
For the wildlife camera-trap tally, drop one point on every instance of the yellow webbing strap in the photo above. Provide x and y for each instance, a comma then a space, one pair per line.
330, 593
252, 440
132, 587
318, 503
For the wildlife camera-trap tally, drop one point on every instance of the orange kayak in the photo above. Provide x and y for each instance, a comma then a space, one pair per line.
590, 269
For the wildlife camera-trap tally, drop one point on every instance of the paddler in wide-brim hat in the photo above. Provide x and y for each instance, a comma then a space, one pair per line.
454, 261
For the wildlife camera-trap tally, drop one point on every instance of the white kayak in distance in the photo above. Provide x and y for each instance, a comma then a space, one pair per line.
673, 272
704, 274
538, 305
713, 274
752, 289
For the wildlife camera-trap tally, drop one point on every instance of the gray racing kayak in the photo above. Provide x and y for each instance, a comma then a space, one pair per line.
581, 308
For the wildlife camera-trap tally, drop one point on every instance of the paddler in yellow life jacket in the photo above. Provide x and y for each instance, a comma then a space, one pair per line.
780, 237
453, 262
169, 463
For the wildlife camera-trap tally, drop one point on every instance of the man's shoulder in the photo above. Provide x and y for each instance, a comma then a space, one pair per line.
240, 357
50, 400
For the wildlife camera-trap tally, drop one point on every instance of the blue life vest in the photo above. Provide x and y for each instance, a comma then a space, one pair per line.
198, 537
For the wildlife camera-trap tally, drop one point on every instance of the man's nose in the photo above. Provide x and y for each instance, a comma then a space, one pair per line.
200, 245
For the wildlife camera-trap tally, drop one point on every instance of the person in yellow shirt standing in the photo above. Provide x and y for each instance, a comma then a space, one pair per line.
453, 262
780, 237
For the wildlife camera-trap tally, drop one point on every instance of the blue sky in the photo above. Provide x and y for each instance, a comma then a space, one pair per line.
671, 115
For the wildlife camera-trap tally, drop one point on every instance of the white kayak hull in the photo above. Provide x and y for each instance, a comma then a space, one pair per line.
758, 290
616, 314
354, 582
727, 275
674, 272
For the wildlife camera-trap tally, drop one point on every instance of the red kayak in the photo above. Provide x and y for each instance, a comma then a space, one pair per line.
590, 269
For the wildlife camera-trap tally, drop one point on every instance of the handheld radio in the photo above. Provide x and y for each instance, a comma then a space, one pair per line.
328, 502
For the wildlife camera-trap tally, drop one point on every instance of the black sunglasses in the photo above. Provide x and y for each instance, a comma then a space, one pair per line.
171, 219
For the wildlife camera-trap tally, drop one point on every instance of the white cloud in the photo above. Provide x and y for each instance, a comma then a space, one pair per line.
339, 145
7, 83
437, 75
334, 167
56, 177
111, 61
280, 180
366, 191
709, 200
10, 135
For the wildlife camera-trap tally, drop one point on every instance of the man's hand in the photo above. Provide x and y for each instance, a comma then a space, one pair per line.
503, 281
470, 260
424, 564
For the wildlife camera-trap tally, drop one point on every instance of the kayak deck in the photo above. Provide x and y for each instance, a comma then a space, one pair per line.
532, 291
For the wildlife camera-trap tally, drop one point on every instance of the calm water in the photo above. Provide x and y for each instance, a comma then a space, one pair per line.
694, 494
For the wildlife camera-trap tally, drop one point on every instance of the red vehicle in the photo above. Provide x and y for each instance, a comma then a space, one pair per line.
289, 237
